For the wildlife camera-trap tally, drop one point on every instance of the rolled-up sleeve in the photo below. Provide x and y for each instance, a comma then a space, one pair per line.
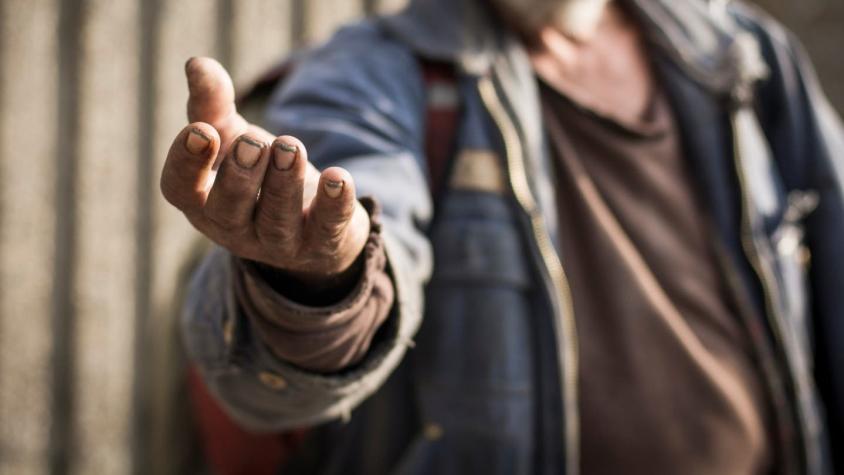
326, 338
262, 391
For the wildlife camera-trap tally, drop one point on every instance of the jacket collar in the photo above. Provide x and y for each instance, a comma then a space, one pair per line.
697, 35
460, 31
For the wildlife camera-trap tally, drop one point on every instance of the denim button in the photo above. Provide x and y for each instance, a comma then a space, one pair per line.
228, 331
433, 431
272, 381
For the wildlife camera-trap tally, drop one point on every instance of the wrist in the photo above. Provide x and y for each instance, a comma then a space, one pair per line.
315, 286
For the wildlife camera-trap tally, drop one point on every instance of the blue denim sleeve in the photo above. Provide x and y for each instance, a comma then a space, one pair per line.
357, 102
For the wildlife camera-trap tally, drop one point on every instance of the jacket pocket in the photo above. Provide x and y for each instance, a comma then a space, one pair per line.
460, 454
476, 330
474, 361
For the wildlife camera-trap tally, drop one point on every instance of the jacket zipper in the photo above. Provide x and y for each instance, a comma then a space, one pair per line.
769, 360
565, 330
763, 272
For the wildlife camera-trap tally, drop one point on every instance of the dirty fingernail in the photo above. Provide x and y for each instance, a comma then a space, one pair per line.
284, 155
247, 153
333, 188
197, 142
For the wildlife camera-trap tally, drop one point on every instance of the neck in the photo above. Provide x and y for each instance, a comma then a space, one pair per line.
609, 73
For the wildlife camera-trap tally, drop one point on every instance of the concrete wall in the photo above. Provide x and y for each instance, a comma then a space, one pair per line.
91, 93
820, 26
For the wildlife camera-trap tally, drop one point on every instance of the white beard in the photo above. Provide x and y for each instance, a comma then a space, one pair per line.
577, 19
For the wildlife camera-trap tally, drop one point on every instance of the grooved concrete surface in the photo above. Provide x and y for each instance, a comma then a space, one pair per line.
819, 24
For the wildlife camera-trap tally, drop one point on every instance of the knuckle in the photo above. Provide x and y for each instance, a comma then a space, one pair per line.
276, 221
276, 236
331, 229
235, 240
224, 240
229, 223
334, 214
275, 195
268, 217
182, 167
198, 221
232, 188
173, 193
183, 174
169, 193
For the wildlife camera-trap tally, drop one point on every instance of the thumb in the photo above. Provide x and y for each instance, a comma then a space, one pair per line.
211, 99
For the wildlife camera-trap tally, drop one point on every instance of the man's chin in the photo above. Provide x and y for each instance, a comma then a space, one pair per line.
577, 19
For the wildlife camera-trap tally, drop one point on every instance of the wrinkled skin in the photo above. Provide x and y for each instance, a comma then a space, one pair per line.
258, 196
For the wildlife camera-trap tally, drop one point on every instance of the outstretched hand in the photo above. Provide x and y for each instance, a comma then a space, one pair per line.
256, 194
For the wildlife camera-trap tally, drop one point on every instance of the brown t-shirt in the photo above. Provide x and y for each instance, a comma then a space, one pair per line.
668, 379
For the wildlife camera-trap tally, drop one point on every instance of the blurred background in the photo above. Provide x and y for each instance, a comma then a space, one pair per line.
91, 257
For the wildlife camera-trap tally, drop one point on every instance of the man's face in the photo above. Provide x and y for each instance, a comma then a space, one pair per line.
576, 18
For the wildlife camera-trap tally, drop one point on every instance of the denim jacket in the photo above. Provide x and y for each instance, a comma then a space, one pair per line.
491, 383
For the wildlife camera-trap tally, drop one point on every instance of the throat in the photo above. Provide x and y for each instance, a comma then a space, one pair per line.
609, 73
